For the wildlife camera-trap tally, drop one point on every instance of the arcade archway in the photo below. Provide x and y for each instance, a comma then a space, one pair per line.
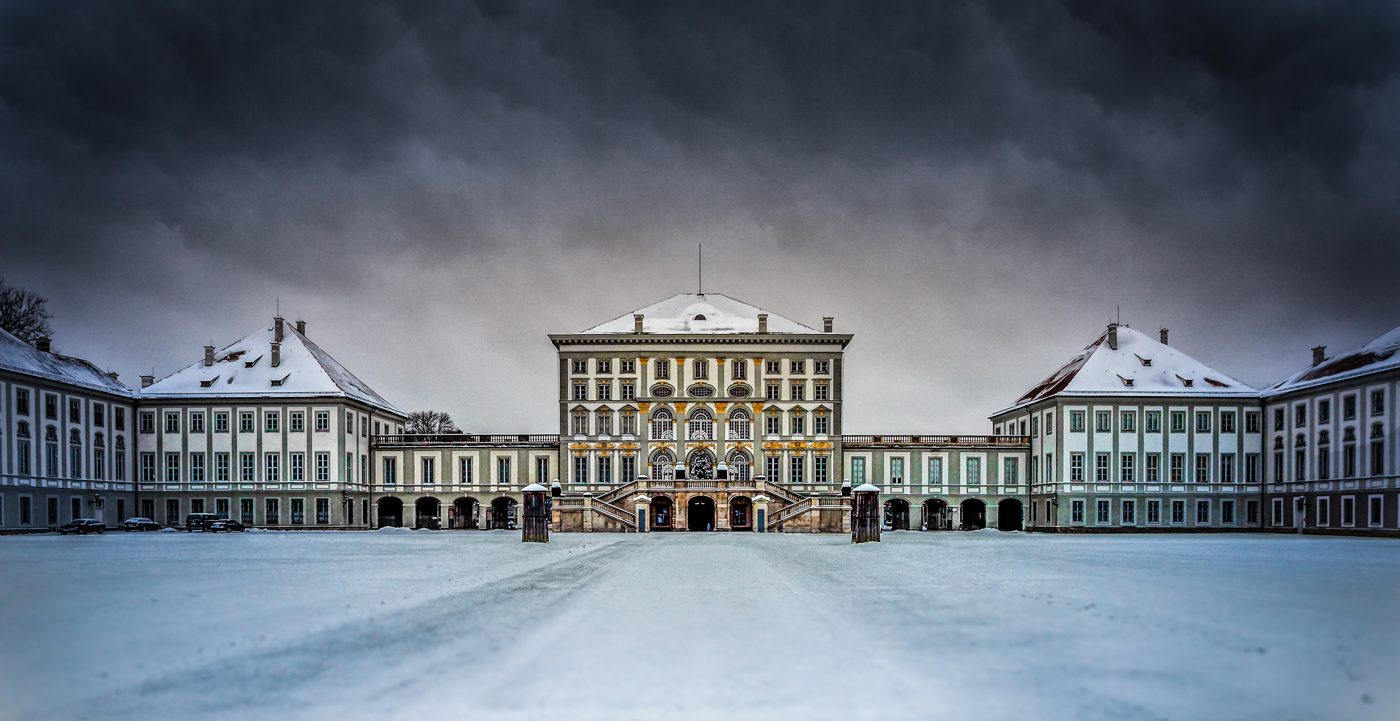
464, 513
974, 515
896, 515
700, 514
389, 512
427, 513
1009, 515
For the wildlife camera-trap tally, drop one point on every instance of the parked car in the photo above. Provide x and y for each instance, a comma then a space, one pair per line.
228, 525
140, 524
83, 526
199, 521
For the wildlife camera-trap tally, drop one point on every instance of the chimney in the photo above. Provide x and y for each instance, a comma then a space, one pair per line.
1113, 336
208, 356
1319, 354
301, 327
637, 322
1164, 336
277, 329
112, 375
42, 343
146, 381
826, 324
762, 322
276, 353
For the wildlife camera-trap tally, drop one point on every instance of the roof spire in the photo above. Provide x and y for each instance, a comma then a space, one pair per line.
700, 269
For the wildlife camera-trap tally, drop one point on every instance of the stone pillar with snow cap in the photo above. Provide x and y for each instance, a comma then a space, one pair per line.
536, 514
865, 514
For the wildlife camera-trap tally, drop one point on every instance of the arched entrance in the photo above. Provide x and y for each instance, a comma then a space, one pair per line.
464, 513
700, 466
700, 514
427, 513
660, 513
974, 515
936, 516
740, 514
504, 512
663, 466
1009, 515
390, 513
897, 514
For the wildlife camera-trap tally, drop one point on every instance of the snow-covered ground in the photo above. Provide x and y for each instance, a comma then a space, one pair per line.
686, 626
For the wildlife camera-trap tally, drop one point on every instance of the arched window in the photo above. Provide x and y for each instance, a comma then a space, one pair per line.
1323, 437
663, 427
22, 429
51, 434
702, 426
663, 466
75, 438
702, 369
1378, 431
1301, 441
740, 466
98, 441
739, 427
121, 443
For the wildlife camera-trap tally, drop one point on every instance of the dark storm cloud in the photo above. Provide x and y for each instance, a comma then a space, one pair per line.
1000, 165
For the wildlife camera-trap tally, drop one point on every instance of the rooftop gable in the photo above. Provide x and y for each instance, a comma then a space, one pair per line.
20, 357
1379, 355
244, 370
700, 313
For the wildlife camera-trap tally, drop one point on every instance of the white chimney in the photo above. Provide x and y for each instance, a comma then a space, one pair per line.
637, 322
762, 322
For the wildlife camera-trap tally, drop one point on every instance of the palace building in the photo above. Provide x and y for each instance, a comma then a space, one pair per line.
704, 413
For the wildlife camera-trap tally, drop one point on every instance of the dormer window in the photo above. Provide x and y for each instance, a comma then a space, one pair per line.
209, 383
1127, 382
1145, 361
277, 382
699, 317
1187, 382
251, 363
1216, 383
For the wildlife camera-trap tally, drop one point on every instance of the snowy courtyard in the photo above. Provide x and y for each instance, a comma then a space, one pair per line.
475, 624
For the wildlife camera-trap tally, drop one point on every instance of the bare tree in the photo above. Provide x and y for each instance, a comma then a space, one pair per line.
24, 313
430, 422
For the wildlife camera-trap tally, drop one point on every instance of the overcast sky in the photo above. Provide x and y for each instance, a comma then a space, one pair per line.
970, 188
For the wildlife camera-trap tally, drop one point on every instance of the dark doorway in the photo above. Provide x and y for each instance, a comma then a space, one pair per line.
390, 513
936, 515
700, 514
427, 513
464, 513
504, 512
1009, 515
661, 513
897, 515
740, 514
974, 515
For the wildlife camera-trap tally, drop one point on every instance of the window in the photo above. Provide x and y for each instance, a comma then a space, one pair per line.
1203, 468
196, 422
1076, 511
221, 507
1050, 468
245, 511
1103, 421
1154, 421
1324, 511
1251, 468
1127, 421
272, 466
821, 391
935, 471
897, 471
629, 422
629, 390
1227, 421
148, 467
580, 469
1101, 468
22, 402
323, 511
119, 419
197, 467
739, 369
273, 418
1178, 468
629, 469
51, 407
298, 511
821, 367
1377, 403
1076, 467
580, 425
822, 423
774, 424
1035, 425
858, 470
605, 390
1300, 465
797, 367
663, 369
221, 422
297, 464
247, 467
604, 468
1300, 416
701, 369
1324, 463
221, 468
1178, 421
1076, 421
1035, 471
1103, 507
1377, 458
99, 460
1203, 421
429, 475
1049, 423
797, 424
663, 426
148, 422
1178, 511
296, 419
1128, 513
1348, 408
799, 389
974, 471
604, 365
773, 367
323, 421
629, 472
245, 422
1009, 472
796, 473
1278, 511
323, 467
629, 365
739, 426
772, 391
1251, 512
172, 422
1348, 510
604, 422
1349, 460
1374, 518
1126, 471
580, 365
26, 510
1251, 422
172, 468
271, 512
1227, 468
391, 471
350, 422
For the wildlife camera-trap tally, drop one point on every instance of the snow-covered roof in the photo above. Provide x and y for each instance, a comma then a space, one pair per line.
244, 370
1378, 355
20, 357
700, 313
1140, 366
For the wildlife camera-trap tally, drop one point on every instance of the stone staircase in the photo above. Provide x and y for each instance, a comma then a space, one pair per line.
614, 507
